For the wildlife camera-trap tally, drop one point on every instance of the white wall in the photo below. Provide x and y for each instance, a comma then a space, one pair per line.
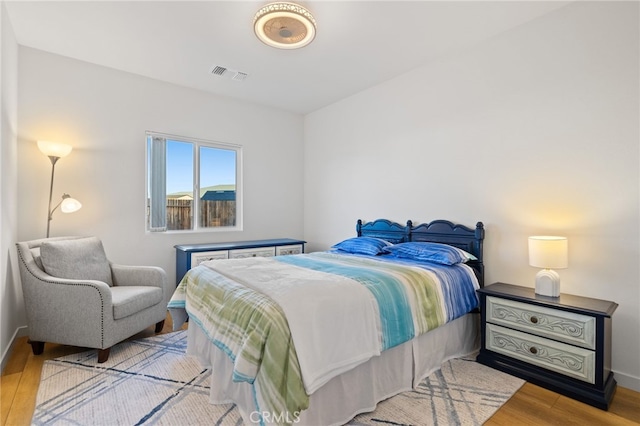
533, 132
104, 114
10, 291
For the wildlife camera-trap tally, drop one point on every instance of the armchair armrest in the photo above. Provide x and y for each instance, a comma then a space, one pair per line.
41, 283
125, 275
63, 310
76, 295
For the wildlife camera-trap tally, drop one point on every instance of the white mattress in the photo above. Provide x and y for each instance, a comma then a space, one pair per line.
356, 391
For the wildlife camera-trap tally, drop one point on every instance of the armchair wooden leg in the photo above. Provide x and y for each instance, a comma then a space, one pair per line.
37, 347
159, 326
103, 355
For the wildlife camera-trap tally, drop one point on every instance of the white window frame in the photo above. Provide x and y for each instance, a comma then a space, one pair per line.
197, 143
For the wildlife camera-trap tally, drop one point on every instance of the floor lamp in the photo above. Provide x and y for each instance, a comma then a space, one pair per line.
55, 151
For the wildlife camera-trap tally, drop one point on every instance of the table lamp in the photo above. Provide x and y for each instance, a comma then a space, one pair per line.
549, 253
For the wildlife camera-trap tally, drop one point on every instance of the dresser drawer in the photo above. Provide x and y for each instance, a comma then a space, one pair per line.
203, 256
252, 252
286, 250
555, 324
559, 357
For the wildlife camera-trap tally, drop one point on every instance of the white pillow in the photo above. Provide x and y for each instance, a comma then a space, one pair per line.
79, 259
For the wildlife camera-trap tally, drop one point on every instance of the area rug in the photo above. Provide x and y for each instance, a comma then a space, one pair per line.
152, 382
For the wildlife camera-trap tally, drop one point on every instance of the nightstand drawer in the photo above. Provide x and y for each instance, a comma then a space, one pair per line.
559, 357
252, 252
555, 324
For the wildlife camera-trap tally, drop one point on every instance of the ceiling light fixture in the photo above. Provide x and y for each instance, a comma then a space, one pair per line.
284, 25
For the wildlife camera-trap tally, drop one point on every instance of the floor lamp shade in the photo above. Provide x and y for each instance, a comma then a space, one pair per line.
549, 253
69, 205
54, 149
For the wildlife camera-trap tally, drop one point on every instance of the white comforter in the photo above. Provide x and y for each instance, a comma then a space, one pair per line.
319, 302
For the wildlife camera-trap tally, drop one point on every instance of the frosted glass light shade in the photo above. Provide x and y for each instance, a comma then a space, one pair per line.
54, 149
284, 25
548, 252
70, 205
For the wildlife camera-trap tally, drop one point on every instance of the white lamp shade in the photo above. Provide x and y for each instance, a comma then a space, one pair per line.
54, 149
549, 252
70, 205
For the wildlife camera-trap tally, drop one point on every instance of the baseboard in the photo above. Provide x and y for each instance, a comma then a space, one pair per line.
20, 332
627, 381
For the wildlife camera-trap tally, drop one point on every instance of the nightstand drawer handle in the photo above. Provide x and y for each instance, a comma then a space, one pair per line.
533, 350
534, 320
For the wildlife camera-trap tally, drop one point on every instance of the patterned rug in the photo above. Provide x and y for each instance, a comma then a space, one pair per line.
151, 382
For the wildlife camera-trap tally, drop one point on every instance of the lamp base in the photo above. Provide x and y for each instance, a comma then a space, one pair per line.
548, 283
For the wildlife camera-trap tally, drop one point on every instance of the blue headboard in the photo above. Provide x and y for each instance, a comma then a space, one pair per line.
438, 231
385, 229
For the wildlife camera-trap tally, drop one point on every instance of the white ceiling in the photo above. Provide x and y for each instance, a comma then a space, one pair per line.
359, 43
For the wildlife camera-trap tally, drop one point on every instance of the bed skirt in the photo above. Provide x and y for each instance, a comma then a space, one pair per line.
357, 391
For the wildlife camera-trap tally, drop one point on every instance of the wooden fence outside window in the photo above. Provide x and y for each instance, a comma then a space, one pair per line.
212, 214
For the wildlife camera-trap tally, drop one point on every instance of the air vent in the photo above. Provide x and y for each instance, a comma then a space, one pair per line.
218, 70
227, 72
240, 76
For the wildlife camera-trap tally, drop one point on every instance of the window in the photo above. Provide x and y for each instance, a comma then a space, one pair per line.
192, 185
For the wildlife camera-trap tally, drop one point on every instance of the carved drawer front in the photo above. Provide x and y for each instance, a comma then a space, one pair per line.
252, 252
555, 324
286, 250
203, 256
559, 357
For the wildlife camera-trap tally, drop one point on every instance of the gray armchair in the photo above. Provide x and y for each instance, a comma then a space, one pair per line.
74, 296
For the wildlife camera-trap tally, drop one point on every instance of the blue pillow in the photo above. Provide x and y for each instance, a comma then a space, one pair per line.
363, 245
430, 252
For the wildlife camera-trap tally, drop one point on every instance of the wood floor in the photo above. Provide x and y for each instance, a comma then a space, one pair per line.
531, 405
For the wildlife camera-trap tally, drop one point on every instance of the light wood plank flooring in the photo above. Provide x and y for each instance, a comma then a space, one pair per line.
531, 405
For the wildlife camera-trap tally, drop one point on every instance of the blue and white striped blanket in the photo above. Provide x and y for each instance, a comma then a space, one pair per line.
412, 297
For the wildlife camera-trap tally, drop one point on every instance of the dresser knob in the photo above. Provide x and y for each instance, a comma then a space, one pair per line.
533, 350
534, 320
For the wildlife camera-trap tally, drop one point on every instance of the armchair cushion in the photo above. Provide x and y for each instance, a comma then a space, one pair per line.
80, 259
129, 300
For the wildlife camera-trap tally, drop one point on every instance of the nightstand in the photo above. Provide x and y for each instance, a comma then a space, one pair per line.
560, 343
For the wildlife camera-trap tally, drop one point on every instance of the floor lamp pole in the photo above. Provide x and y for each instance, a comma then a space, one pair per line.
53, 169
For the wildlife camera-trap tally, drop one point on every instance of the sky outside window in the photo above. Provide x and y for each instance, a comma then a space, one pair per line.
218, 167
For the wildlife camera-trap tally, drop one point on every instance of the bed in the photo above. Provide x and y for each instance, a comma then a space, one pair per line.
318, 338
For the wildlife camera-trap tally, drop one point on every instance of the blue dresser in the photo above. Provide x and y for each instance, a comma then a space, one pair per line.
191, 255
